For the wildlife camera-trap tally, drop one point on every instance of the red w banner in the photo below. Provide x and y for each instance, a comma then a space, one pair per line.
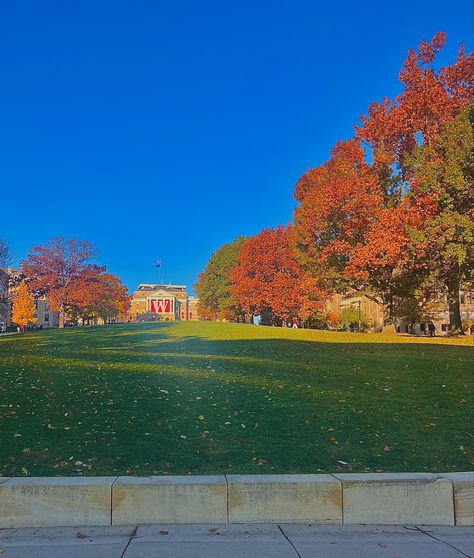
160, 306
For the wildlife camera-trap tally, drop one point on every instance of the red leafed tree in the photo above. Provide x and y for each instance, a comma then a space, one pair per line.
420, 147
267, 279
54, 269
339, 203
363, 224
115, 303
97, 294
429, 99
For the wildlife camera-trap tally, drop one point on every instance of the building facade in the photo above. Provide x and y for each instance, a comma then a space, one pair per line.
369, 309
374, 313
155, 301
440, 316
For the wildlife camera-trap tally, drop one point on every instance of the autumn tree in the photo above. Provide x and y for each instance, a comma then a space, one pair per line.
114, 302
268, 279
97, 294
23, 310
53, 270
374, 224
214, 284
422, 141
443, 171
340, 203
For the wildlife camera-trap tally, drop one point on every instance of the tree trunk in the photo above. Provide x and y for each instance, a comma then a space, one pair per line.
61, 317
454, 305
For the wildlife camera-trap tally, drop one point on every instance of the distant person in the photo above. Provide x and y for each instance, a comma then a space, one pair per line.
431, 329
295, 323
257, 319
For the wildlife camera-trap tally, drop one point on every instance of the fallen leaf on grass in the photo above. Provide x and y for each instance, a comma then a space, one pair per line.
80, 535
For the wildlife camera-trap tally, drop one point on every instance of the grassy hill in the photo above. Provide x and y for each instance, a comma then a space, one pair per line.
198, 397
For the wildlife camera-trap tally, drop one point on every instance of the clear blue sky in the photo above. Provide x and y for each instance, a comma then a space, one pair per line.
161, 130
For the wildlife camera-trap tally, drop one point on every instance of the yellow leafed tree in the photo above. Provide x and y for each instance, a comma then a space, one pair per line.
23, 312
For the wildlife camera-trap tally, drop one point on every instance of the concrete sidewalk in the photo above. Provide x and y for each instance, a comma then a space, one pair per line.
239, 541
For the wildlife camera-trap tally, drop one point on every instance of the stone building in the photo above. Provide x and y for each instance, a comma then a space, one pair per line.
369, 309
440, 316
155, 301
374, 313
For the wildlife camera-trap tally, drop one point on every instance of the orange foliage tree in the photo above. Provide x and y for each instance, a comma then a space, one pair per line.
74, 287
23, 311
53, 270
267, 279
340, 203
422, 142
361, 221
96, 294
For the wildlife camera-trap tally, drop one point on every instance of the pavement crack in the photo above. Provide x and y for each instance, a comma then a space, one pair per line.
132, 535
286, 537
416, 528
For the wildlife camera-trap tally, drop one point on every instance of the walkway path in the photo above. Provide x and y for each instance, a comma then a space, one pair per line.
239, 541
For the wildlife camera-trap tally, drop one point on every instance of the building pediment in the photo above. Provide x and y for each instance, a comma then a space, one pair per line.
160, 294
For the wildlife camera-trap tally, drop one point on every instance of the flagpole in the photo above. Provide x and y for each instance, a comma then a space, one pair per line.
158, 264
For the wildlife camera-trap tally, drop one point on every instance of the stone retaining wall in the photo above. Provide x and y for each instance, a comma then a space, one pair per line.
378, 498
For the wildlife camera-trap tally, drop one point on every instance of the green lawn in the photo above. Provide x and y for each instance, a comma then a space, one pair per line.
220, 398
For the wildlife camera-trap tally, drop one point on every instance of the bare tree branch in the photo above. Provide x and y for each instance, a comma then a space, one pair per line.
5, 253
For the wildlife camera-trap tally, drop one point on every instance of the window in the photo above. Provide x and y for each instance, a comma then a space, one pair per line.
422, 327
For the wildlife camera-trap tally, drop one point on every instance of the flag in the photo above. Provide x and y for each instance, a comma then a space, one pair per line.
158, 263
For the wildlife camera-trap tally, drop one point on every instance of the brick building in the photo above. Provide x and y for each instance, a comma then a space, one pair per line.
155, 301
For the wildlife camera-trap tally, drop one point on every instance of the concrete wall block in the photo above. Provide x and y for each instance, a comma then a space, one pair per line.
55, 501
179, 499
463, 487
284, 499
394, 498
